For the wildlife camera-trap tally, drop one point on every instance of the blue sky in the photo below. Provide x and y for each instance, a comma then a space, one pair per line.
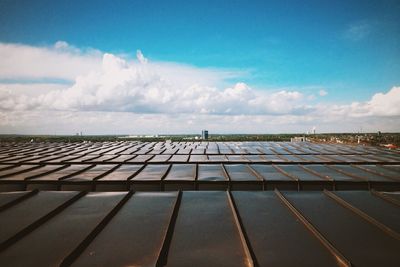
349, 49
281, 43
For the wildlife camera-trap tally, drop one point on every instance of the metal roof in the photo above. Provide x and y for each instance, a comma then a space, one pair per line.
213, 228
159, 166
198, 204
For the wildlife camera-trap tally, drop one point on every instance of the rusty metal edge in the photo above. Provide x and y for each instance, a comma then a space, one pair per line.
251, 258
25, 231
259, 176
18, 200
162, 257
294, 178
75, 253
340, 258
374, 172
384, 197
325, 177
363, 215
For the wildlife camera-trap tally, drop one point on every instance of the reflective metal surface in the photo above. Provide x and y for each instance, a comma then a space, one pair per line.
214, 228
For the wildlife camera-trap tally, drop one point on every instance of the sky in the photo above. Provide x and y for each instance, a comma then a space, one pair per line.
173, 67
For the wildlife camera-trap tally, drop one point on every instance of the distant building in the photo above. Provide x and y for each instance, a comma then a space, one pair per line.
298, 139
204, 134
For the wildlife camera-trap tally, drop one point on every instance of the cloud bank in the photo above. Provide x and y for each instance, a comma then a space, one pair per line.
60, 61
140, 95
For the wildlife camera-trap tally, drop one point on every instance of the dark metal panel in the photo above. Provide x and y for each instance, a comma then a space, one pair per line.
17, 169
395, 168
300, 173
212, 151
378, 180
342, 179
274, 232
365, 173
179, 158
6, 166
170, 151
83, 181
63, 173
16, 182
33, 159
120, 159
160, 158
211, 239
393, 195
243, 178
92, 173
15, 219
82, 159
240, 172
384, 171
129, 150
380, 158
198, 158
51, 181
62, 159
329, 172
291, 158
135, 235
379, 209
149, 179
51, 159
140, 158
273, 178
156, 151
49, 244
183, 151
313, 158
180, 177
217, 158
122, 173
198, 151
7, 198
308, 179
152, 173
46, 169
103, 158
362, 243
211, 172
272, 158
254, 158
15, 159
236, 158
212, 177
394, 157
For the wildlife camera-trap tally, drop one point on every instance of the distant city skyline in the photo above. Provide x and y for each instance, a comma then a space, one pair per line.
176, 67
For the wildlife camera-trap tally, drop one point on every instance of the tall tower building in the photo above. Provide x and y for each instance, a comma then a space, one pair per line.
204, 134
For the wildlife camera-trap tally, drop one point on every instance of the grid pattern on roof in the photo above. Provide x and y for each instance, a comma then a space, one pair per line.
216, 228
164, 166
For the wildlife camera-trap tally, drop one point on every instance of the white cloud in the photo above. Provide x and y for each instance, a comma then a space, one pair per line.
61, 45
60, 61
112, 94
380, 105
387, 104
322, 92
147, 87
141, 57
